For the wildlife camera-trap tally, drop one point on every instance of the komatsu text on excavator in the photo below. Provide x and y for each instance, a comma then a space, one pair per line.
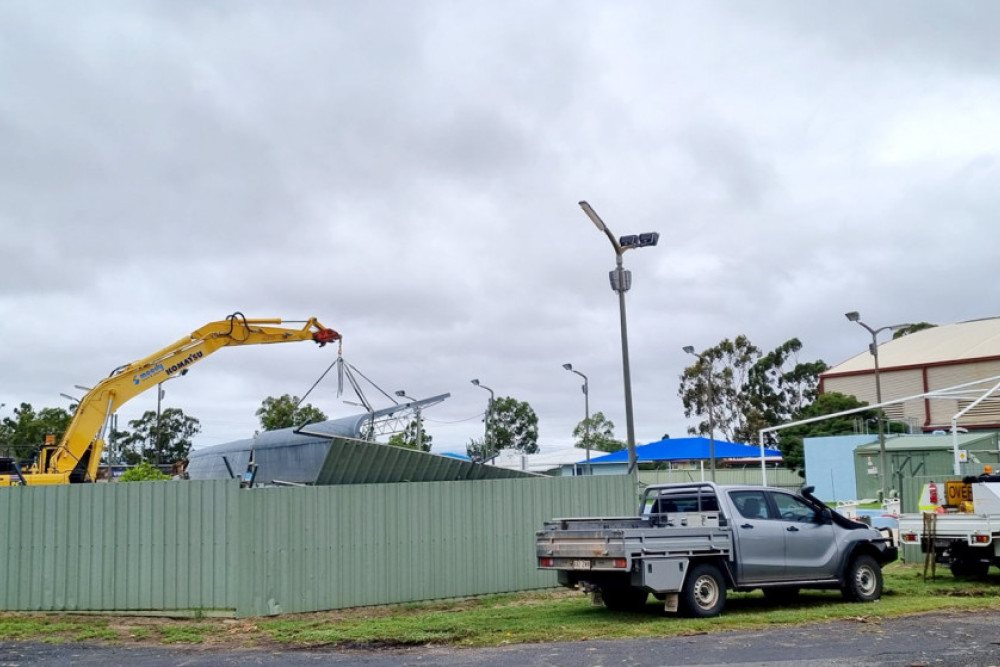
78, 454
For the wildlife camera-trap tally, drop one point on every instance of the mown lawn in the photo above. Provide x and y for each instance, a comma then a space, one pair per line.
515, 618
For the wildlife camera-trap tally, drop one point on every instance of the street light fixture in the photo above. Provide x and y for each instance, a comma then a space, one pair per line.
854, 316
160, 393
707, 365
487, 445
586, 411
420, 422
621, 281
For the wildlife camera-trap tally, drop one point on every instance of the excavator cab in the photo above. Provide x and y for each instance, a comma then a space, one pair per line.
11, 470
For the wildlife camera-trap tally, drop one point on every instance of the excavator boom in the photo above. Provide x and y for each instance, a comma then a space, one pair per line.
76, 457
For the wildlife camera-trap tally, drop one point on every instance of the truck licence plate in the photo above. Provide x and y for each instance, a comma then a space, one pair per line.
581, 565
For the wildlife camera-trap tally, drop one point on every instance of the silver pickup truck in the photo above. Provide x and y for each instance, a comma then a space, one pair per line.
692, 542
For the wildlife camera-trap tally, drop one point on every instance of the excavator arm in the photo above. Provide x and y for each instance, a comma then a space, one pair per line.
76, 457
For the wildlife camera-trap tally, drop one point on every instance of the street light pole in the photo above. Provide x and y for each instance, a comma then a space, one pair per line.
487, 445
854, 316
621, 281
420, 422
160, 393
711, 403
586, 412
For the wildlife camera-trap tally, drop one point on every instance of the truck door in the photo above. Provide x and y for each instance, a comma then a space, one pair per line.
810, 546
760, 539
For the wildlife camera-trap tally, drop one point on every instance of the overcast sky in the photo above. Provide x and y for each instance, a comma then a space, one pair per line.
409, 173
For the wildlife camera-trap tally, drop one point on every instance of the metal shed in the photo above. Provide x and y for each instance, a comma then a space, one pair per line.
332, 452
921, 456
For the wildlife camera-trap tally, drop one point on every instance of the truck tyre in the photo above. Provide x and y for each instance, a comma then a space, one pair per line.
624, 598
704, 592
863, 579
969, 568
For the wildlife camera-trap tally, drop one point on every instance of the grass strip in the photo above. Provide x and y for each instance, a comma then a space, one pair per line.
506, 619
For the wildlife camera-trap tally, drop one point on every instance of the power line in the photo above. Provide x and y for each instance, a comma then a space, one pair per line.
480, 415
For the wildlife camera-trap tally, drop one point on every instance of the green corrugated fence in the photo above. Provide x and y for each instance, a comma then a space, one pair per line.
781, 477
212, 547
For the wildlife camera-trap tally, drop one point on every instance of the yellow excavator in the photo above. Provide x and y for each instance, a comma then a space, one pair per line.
77, 456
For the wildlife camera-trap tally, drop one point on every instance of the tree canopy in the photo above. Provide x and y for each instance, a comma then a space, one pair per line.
511, 424
745, 389
475, 449
408, 438
285, 412
790, 440
911, 328
597, 432
158, 441
22, 434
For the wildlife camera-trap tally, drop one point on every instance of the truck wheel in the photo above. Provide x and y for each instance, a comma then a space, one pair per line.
863, 580
624, 598
704, 593
967, 568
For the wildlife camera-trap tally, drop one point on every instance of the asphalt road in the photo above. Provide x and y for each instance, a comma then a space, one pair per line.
949, 639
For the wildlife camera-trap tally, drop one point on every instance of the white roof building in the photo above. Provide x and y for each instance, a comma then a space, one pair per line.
928, 360
562, 460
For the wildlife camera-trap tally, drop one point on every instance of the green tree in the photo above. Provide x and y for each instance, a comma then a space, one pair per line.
790, 440
778, 385
715, 382
745, 389
475, 449
597, 432
911, 328
512, 424
285, 412
22, 434
165, 441
408, 438
143, 472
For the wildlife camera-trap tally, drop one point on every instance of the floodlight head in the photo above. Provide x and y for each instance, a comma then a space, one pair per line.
628, 241
475, 382
689, 349
853, 316
568, 367
401, 393
596, 219
648, 239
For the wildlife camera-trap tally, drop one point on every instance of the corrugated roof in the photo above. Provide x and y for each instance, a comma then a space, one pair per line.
331, 453
976, 339
362, 462
973, 441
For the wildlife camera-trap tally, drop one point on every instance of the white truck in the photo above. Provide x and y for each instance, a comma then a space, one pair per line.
693, 542
963, 534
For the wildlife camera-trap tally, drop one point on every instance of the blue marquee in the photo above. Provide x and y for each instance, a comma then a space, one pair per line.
686, 449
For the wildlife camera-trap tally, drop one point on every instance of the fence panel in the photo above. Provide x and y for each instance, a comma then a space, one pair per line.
210, 546
306, 549
123, 547
780, 477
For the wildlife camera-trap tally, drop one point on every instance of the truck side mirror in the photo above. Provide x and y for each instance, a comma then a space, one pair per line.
824, 516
